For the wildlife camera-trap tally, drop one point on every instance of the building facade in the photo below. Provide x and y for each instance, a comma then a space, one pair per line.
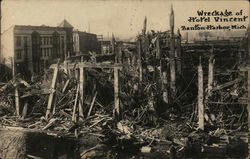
69, 36
34, 48
85, 42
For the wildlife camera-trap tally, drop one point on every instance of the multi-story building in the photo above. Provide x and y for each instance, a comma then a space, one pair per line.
85, 42
33, 48
69, 35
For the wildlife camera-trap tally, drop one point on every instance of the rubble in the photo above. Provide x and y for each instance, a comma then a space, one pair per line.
130, 104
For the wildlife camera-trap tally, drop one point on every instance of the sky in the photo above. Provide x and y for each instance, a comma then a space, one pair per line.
123, 18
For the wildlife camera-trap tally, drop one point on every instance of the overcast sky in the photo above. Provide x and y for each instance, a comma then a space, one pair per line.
123, 18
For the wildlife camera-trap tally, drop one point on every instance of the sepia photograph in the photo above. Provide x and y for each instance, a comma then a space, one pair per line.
131, 79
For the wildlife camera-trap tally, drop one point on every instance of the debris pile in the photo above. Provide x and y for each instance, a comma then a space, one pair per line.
143, 125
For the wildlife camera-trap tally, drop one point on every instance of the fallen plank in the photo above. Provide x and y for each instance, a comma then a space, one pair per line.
51, 122
53, 85
75, 104
65, 86
226, 84
92, 104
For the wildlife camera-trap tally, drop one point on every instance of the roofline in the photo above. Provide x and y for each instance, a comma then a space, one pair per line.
33, 26
77, 31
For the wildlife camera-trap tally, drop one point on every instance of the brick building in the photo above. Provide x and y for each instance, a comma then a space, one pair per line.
85, 42
69, 34
33, 48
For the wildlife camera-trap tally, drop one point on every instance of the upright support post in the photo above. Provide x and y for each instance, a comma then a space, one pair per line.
82, 88
51, 95
13, 67
164, 85
172, 54
139, 60
17, 103
178, 53
210, 75
116, 92
25, 109
200, 98
172, 75
158, 53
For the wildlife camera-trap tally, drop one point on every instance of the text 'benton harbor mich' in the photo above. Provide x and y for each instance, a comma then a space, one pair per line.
213, 27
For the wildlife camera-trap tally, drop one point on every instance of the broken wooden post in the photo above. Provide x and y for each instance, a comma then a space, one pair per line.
52, 92
25, 109
139, 60
82, 87
66, 67
178, 53
172, 54
210, 73
144, 29
164, 85
200, 98
116, 93
13, 66
158, 53
17, 103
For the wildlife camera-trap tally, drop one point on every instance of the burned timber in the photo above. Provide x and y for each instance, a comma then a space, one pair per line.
157, 97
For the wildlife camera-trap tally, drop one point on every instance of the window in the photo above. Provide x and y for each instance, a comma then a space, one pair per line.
25, 39
19, 54
42, 50
26, 53
43, 42
18, 41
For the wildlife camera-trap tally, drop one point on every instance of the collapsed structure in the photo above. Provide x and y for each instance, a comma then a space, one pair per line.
175, 99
